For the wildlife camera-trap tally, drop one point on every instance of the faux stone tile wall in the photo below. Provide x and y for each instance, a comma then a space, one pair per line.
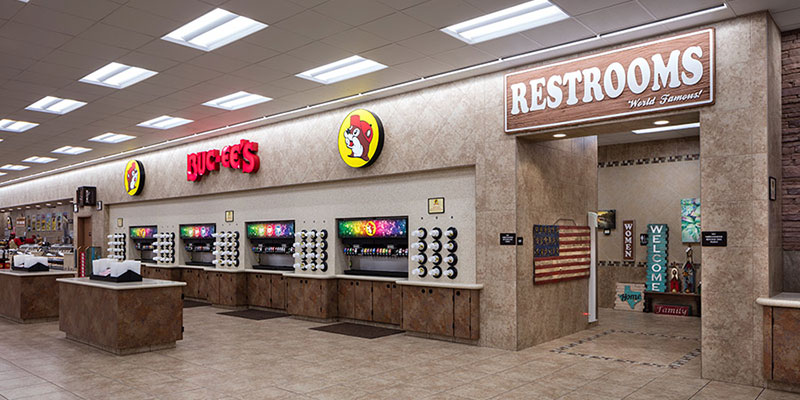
790, 190
652, 149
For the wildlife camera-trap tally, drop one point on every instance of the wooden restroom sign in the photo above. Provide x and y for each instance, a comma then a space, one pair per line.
666, 74
628, 232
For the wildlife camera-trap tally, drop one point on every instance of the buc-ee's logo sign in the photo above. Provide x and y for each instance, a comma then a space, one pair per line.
360, 138
240, 156
134, 177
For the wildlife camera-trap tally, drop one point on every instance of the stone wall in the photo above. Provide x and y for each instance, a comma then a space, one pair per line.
790, 126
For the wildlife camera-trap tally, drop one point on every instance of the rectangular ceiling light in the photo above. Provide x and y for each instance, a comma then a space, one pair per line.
117, 76
55, 105
666, 128
165, 122
71, 150
237, 100
111, 137
14, 167
9, 125
511, 20
340, 70
2, 173
39, 160
213, 30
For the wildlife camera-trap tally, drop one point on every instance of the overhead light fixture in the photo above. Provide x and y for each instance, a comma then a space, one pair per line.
117, 76
111, 137
560, 135
58, 203
666, 128
71, 150
506, 22
55, 105
3, 173
340, 70
237, 100
164, 122
9, 125
660, 122
14, 167
213, 30
39, 160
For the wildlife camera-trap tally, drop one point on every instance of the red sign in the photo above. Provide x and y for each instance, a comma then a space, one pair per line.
82, 265
671, 310
238, 156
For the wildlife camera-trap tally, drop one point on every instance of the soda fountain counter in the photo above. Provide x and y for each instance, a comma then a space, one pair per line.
144, 238
271, 244
198, 244
375, 246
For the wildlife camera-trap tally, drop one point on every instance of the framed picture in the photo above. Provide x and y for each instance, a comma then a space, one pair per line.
773, 188
119, 222
607, 220
436, 205
229, 216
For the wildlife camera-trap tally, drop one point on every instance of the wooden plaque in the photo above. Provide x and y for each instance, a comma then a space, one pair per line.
665, 74
628, 246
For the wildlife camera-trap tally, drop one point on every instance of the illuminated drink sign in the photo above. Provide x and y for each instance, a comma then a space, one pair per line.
373, 228
270, 230
143, 232
241, 156
198, 231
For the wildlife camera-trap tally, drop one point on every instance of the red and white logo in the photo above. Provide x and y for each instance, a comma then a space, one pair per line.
240, 156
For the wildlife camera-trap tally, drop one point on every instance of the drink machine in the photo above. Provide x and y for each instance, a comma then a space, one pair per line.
375, 246
143, 241
271, 243
198, 242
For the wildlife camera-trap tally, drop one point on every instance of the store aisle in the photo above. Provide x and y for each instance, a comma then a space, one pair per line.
628, 355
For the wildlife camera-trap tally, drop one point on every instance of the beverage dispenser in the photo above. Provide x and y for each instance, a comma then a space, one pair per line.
143, 242
198, 242
375, 246
271, 243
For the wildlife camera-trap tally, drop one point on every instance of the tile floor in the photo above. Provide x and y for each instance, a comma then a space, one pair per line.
627, 356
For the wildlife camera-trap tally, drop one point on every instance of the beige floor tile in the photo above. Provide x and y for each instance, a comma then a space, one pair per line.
28, 391
535, 390
727, 391
769, 394
338, 393
269, 393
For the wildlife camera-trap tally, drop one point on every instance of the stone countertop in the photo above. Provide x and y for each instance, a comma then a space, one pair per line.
267, 271
170, 266
42, 273
309, 276
144, 284
466, 286
785, 299
369, 278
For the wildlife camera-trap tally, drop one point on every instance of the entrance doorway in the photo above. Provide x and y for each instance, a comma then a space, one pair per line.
84, 233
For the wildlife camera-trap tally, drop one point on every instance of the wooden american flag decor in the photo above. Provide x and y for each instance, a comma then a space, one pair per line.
560, 253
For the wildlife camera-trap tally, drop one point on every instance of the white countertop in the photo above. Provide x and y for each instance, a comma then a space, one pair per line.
309, 276
785, 299
52, 272
368, 278
144, 284
267, 271
470, 286
170, 266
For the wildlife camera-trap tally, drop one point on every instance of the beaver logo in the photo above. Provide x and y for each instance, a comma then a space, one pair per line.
134, 177
360, 138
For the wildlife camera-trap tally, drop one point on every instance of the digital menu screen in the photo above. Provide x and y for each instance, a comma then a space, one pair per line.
270, 230
373, 228
143, 232
199, 231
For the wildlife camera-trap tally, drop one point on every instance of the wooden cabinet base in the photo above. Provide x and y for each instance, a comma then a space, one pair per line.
28, 297
315, 298
442, 312
781, 349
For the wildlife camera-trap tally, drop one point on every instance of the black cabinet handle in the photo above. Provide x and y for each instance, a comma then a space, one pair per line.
430, 291
356, 283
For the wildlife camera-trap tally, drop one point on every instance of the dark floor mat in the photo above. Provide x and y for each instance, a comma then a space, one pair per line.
192, 304
257, 315
362, 331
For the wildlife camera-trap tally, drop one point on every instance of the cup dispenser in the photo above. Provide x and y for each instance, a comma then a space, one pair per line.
435, 253
271, 243
375, 246
143, 242
198, 244
311, 250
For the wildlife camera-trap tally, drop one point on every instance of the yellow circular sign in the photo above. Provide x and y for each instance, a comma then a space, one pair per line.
360, 138
134, 177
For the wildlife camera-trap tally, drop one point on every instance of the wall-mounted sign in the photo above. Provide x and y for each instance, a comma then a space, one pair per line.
241, 156
670, 73
629, 297
373, 228
142, 232
436, 205
508, 239
690, 220
197, 231
714, 239
119, 223
658, 238
229, 216
360, 138
86, 196
270, 230
134, 177
628, 230
607, 220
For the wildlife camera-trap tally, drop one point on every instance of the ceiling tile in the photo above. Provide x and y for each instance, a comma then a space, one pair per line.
199, 112
295, 83
273, 91
62, 71
53, 20
93, 49
354, 12
114, 36
193, 72
29, 50
397, 27
148, 61
181, 11
442, 13
464, 57
91, 9
494, 5
172, 81
264, 11
9, 8
665, 9
288, 64
259, 73
320, 53
787, 18
508, 45
356, 40
234, 83
41, 79
433, 42
86, 63
401, 4
277, 39
311, 24
392, 54
742, 7
136, 20
31, 34
245, 51
218, 62
578, 7
564, 31
172, 51
616, 17
150, 89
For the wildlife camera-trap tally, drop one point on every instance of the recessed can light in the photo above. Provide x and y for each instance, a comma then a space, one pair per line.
117, 76
71, 150
666, 128
214, 29
560, 135
506, 22
347, 68
660, 122
164, 122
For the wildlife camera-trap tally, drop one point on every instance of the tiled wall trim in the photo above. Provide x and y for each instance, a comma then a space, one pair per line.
654, 160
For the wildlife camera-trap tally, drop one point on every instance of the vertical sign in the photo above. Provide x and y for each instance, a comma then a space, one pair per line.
657, 239
628, 229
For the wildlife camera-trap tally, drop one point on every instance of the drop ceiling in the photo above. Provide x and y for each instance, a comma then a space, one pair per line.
47, 46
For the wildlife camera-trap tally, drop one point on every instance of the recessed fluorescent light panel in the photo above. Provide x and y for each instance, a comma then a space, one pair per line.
55, 105
237, 100
506, 22
3, 173
71, 150
117, 76
667, 128
213, 30
14, 167
39, 160
9, 125
340, 70
165, 122
111, 137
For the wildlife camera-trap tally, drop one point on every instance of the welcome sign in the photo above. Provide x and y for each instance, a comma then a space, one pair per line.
657, 239
670, 73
